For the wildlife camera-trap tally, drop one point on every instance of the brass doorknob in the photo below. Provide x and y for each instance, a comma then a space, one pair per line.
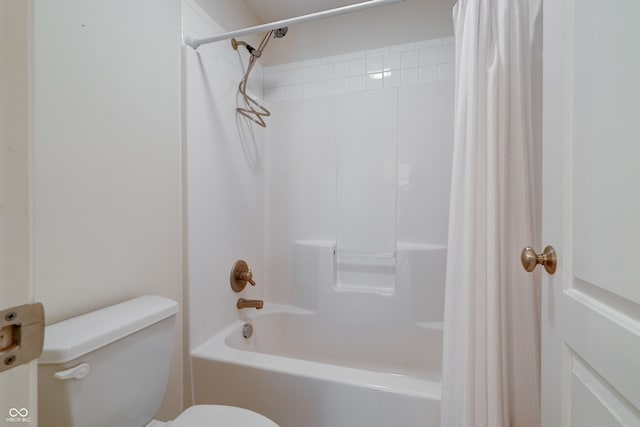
548, 258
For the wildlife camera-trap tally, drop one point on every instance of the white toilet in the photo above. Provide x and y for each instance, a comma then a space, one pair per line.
110, 368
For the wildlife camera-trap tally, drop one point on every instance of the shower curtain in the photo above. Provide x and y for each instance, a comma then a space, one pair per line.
491, 369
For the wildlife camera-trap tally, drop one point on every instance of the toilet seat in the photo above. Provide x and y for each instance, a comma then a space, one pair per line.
220, 415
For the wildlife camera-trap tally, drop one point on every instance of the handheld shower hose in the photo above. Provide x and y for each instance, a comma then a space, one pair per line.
253, 110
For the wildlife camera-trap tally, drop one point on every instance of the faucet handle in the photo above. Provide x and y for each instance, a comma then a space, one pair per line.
240, 275
247, 276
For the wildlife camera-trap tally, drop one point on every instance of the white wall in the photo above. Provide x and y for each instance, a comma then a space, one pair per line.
228, 14
224, 176
107, 158
218, 16
327, 116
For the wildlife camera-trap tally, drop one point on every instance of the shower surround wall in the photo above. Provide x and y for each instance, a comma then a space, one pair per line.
359, 151
358, 148
223, 179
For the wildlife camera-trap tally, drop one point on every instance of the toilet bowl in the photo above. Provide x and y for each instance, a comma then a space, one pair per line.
110, 368
216, 415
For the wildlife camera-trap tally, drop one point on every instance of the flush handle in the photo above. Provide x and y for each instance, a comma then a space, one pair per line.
75, 373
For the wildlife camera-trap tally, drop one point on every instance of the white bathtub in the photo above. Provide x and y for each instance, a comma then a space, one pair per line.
305, 370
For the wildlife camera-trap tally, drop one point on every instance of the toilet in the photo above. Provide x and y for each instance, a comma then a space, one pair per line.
110, 368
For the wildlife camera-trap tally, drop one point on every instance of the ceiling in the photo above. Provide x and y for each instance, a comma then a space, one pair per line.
396, 24
275, 10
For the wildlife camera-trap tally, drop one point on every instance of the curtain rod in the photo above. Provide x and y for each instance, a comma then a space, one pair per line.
291, 21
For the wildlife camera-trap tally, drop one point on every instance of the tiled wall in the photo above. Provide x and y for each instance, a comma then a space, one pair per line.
359, 152
394, 66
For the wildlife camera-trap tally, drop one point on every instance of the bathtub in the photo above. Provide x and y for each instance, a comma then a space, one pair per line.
305, 370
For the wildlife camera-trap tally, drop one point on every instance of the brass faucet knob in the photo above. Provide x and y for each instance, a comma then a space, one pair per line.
247, 276
240, 275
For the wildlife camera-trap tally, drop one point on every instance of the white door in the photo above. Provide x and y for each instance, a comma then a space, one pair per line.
591, 213
17, 385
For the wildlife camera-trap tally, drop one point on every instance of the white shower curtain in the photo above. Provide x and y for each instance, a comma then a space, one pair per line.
491, 369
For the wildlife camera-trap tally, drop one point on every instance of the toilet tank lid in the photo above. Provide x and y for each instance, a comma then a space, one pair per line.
75, 337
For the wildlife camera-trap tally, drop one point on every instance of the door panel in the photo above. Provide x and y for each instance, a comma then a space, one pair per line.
591, 206
17, 385
605, 133
588, 390
605, 340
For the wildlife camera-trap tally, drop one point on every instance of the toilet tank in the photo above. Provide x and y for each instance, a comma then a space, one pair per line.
107, 368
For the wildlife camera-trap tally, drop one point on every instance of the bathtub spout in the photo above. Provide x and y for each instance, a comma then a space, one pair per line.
250, 303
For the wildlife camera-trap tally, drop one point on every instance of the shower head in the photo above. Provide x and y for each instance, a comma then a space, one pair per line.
277, 34
235, 43
280, 32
